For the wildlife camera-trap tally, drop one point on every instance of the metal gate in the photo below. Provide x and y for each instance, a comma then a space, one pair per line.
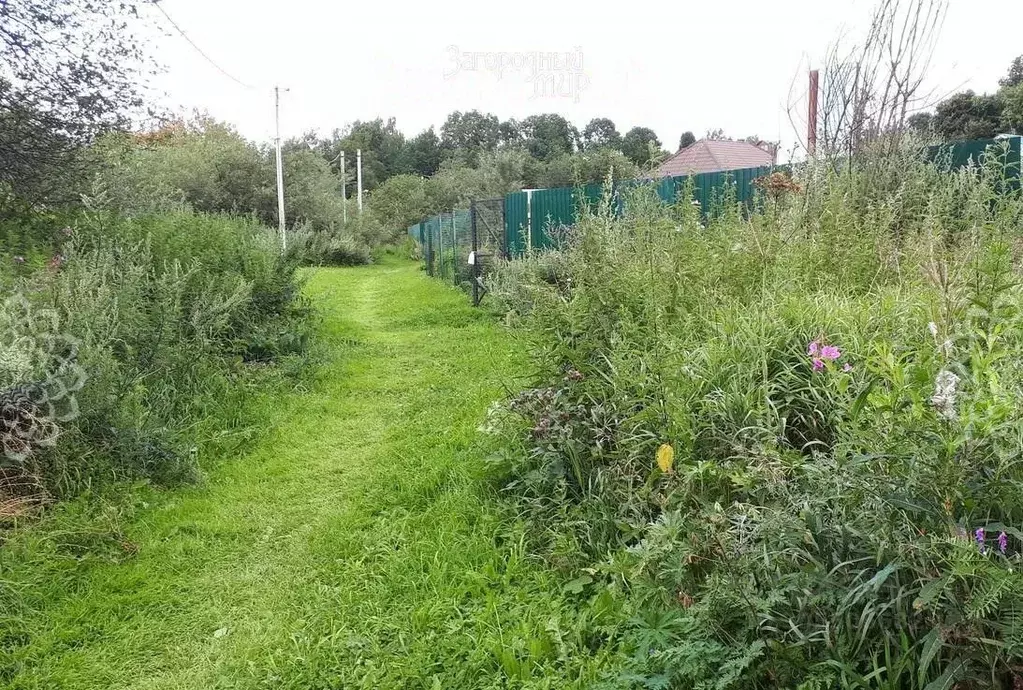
489, 243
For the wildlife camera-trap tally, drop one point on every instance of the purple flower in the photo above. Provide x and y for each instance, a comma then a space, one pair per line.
979, 537
1003, 542
818, 364
813, 348
847, 367
830, 352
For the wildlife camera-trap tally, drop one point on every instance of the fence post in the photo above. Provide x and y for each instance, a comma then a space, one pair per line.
474, 249
454, 246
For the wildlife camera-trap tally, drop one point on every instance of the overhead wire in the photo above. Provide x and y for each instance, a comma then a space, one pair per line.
199, 50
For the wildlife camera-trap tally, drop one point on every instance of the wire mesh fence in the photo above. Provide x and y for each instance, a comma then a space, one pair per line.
489, 242
462, 245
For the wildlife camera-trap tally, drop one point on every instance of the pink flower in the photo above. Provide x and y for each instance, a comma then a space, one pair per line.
818, 364
830, 352
847, 367
813, 349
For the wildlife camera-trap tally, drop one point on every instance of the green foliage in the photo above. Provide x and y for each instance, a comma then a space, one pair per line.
470, 133
173, 314
1012, 108
818, 525
640, 145
207, 166
72, 70
1014, 77
356, 546
424, 153
600, 133
968, 116
548, 135
401, 201
588, 167
686, 140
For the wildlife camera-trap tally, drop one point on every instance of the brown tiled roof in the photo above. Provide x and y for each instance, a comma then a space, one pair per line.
712, 155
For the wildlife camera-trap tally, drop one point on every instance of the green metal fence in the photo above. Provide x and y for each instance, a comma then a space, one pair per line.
516, 221
533, 219
550, 210
962, 153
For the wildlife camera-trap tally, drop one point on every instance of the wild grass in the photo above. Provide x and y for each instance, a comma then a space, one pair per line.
134, 344
358, 544
818, 523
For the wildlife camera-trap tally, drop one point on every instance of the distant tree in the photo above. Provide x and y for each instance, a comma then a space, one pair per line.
636, 145
312, 189
424, 153
548, 135
716, 134
1012, 108
469, 134
401, 201
1015, 75
686, 140
509, 133
922, 123
69, 70
601, 133
383, 150
966, 115
200, 161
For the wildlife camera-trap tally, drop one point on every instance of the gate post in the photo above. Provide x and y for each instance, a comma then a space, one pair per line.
475, 255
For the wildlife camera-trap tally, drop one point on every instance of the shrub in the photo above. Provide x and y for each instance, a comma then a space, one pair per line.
165, 318
331, 247
206, 166
790, 434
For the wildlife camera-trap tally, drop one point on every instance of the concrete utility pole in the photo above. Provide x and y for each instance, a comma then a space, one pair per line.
358, 174
280, 171
344, 192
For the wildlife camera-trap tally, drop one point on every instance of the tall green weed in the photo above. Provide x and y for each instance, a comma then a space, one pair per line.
830, 384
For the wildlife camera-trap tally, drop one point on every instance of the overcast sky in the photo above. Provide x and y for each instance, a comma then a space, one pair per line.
672, 67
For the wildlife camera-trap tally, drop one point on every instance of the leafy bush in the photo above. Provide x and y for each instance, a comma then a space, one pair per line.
165, 320
331, 247
791, 435
206, 166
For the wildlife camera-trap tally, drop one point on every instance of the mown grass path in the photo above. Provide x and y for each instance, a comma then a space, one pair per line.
356, 546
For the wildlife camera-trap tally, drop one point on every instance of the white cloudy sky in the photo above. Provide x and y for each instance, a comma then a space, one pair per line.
669, 66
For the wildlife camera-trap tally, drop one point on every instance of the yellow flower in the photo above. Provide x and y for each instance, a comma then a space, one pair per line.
665, 458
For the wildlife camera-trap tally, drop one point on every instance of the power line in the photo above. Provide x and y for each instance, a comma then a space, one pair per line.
192, 43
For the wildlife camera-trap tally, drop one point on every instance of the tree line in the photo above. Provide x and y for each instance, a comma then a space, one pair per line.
969, 115
466, 137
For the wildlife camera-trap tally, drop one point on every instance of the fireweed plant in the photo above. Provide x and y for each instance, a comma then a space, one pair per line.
836, 374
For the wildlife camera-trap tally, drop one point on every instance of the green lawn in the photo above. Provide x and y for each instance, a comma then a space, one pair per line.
358, 544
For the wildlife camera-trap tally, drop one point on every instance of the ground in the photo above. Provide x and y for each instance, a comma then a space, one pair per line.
360, 543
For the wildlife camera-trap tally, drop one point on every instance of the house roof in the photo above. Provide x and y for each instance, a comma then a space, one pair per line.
713, 155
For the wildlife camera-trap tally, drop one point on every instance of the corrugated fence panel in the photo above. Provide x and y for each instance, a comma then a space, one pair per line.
516, 220
957, 154
550, 210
